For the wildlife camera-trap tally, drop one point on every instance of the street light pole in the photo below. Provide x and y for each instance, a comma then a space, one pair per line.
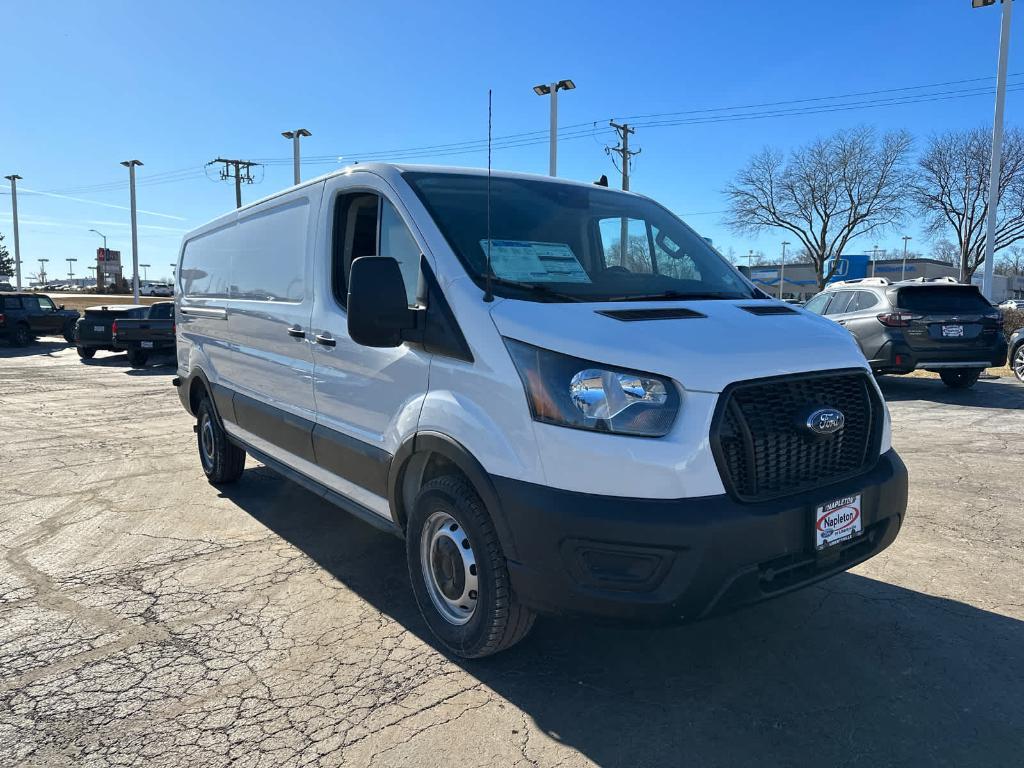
13, 178
145, 272
874, 258
71, 269
106, 254
552, 90
997, 145
130, 165
782, 271
42, 271
906, 238
295, 136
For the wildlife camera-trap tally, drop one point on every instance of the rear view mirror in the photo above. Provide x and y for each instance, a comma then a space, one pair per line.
378, 310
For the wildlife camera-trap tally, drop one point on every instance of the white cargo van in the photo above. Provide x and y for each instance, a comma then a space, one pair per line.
560, 396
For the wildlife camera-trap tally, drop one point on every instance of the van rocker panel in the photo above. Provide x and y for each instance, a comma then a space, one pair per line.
668, 561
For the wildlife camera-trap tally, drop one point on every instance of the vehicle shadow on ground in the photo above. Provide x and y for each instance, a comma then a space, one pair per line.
853, 671
41, 347
1004, 392
108, 360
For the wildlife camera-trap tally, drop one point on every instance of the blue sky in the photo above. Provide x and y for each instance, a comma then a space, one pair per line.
177, 84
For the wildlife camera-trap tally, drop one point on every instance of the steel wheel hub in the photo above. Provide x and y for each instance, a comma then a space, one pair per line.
206, 440
449, 568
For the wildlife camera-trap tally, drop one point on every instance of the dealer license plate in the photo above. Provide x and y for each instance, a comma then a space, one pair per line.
952, 331
837, 521
98, 328
147, 344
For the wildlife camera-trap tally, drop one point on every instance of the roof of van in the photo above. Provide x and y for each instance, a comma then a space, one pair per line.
390, 171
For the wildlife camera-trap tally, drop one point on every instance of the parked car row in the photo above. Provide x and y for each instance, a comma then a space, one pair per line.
138, 329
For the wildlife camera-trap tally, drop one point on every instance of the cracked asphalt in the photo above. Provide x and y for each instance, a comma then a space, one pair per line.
148, 619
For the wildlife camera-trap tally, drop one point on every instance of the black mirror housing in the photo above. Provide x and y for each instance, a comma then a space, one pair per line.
378, 310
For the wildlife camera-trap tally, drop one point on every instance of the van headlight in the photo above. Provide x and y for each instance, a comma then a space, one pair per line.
583, 394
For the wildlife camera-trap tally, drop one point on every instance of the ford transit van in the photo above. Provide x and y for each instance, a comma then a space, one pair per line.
560, 396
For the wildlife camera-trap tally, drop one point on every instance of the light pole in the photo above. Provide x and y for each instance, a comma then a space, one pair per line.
874, 258
13, 178
906, 239
295, 136
42, 271
130, 165
750, 258
552, 90
782, 271
106, 253
145, 272
71, 269
997, 143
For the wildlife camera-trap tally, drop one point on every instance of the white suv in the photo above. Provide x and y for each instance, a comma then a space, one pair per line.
552, 422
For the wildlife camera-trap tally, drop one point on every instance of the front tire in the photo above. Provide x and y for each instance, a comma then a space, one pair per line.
1017, 363
459, 574
69, 331
960, 378
222, 460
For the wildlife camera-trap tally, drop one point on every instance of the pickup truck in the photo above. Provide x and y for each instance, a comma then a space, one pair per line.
95, 330
145, 336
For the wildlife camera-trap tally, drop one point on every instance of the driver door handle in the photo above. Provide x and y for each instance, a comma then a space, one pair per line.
296, 332
327, 341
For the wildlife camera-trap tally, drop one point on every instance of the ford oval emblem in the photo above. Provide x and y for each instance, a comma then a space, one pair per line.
826, 421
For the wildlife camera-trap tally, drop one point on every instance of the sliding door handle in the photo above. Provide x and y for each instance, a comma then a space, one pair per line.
327, 341
296, 332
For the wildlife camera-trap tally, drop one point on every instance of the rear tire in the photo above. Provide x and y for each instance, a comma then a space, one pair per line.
22, 335
222, 460
458, 572
1017, 362
960, 378
86, 353
69, 331
137, 358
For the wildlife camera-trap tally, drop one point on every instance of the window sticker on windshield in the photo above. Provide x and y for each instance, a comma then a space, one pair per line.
533, 262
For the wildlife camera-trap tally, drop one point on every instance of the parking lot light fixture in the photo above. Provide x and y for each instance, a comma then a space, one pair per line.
295, 136
906, 239
552, 90
130, 165
13, 178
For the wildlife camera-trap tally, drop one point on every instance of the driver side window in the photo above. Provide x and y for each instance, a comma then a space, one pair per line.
46, 304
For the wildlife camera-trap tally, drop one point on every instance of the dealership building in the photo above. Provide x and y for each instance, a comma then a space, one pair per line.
798, 281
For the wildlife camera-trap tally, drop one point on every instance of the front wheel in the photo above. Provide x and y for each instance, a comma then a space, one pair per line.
222, 460
960, 378
86, 353
69, 331
1017, 362
458, 572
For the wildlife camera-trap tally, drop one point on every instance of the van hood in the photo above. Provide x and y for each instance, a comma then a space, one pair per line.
706, 353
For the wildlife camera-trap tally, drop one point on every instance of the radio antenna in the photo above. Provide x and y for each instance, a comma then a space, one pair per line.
488, 291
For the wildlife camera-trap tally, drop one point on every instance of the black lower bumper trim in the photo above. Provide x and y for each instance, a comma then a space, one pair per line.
670, 561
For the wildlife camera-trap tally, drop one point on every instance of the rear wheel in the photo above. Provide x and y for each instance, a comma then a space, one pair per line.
222, 460
137, 358
22, 335
960, 378
458, 572
86, 353
1017, 362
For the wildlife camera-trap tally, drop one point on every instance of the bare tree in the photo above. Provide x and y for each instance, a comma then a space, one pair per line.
1012, 263
829, 192
945, 251
951, 191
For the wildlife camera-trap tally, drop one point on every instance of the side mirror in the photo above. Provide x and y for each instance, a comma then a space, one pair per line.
61, 306
378, 310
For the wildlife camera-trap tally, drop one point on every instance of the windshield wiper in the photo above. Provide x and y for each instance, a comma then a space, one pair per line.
538, 288
674, 295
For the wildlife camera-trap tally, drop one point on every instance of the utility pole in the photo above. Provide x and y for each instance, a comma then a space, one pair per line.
130, 165
239, 170
71, 269
295, 136
782, 270
997, 145
13, 178
625, 156
906, 238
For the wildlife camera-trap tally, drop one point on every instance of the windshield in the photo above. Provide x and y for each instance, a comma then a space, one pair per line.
563, 242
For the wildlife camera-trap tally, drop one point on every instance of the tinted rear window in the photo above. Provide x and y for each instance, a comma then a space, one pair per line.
12, 302
954, 299
161, 311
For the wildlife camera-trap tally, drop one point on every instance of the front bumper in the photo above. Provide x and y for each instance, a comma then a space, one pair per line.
671, 561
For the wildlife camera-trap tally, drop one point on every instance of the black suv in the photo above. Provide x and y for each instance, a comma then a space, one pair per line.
23, 316
935, 325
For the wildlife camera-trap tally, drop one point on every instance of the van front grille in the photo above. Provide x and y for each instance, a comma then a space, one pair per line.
764, 449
